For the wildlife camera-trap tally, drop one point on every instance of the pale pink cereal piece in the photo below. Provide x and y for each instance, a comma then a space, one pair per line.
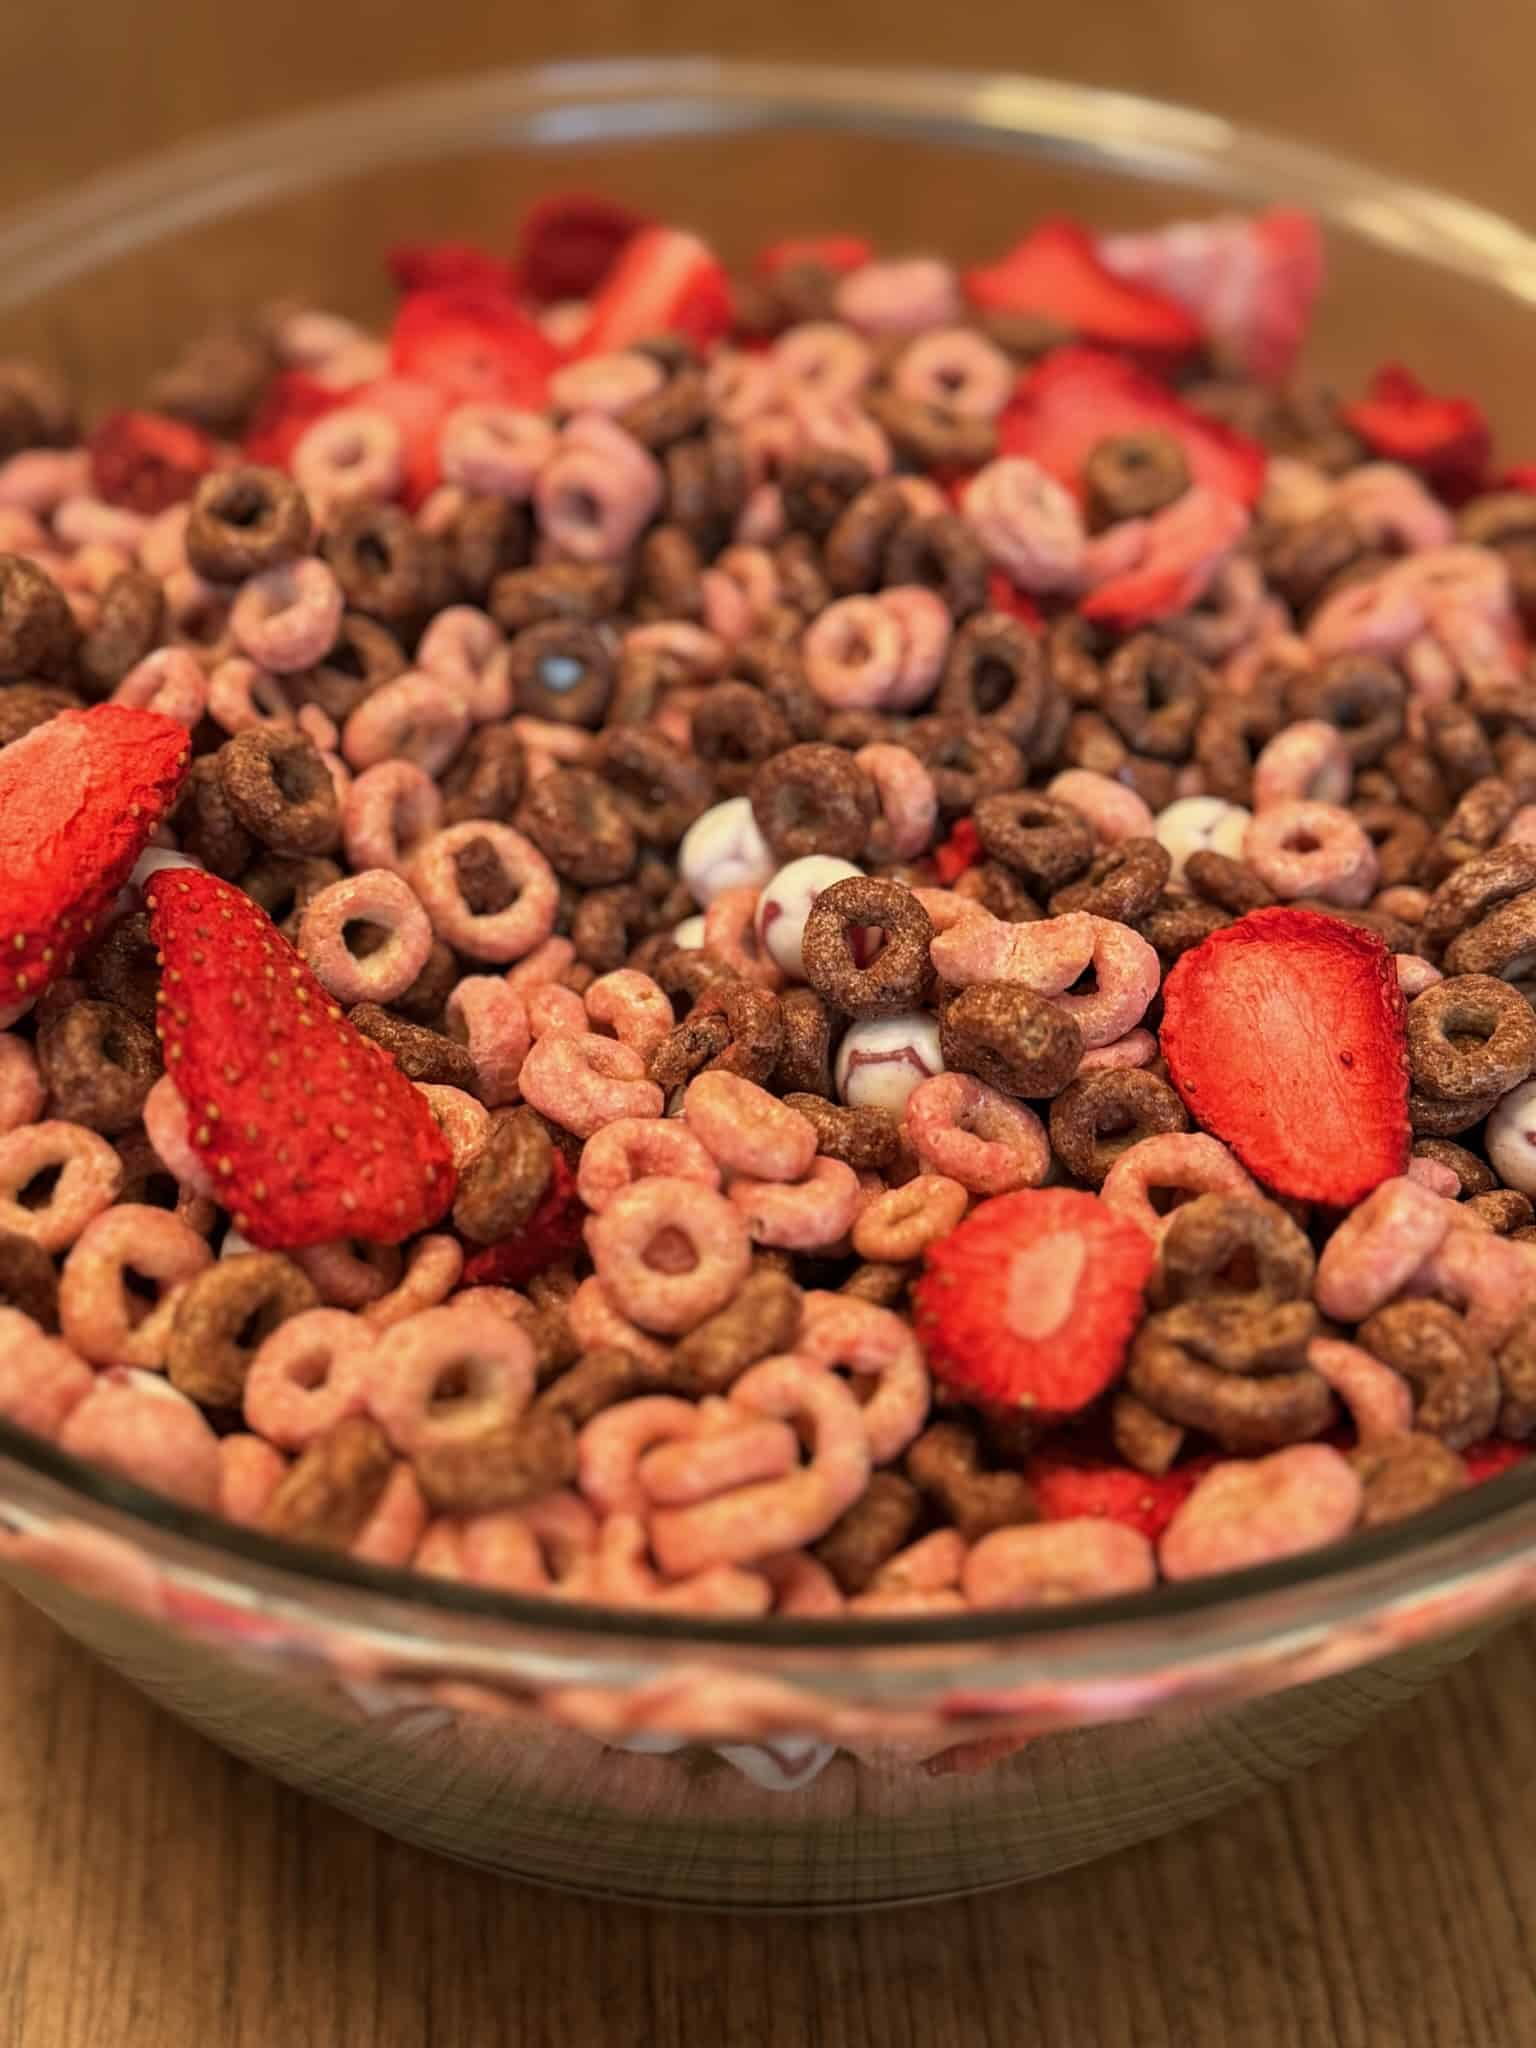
1375, 616
137, 1425
1047, 1564
802, 1215
352, 456
350, 1274
497, 1549
250, 1472
415, 717
638, 1148
490, 1356
1413, 974
1027, 523
909, 805
389, 811
726, 610
853, 653
1189, 1163
168, 1130
500, 936
1386, 502
740, 386
1047, 956
467, 648
38, 479
581, 1081
802, 1585
1114, 812
1378, 1248
762, 519
307, 1376
782, 1514
552, 1007
595, 495
821, 358
163, 547
1138, 1048
840, 426
633, 1006
41, 1380
961, 1128
1380, 1401
842, 1333
746, 1130
1256, 1510
440, 1550
241, 695
377, 897
730, 936
287, 618
1306, 761
1128, 972
623, 1242
496, 450
441, 510
22, 1091
933, 1564
899, 1602
21, 532
734, 1451
306, 337
1435, 1175
899, 296
770, 442
199, 612
700, 655
91, 1176
1492, 1278
171, 681
900, 1223
491, 1020
393, 1531
1302, 848
610, 1447
98, 1316
945, 909
502, 1301
547, 962
596, 1323
754, 572
624, 1577
436, 1261
957, 369
609, 384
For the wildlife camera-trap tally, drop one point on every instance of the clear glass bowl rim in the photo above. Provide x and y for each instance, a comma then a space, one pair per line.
1488, 1534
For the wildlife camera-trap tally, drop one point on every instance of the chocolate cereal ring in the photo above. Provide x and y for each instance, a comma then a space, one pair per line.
1470, 1036
1103, 1113
224, 1315
814, 799
1011, 1038
901, 971
1046, 842
281, 790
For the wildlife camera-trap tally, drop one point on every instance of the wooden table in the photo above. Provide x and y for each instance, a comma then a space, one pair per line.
154, 1894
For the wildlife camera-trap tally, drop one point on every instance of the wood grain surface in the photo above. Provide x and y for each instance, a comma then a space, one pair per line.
155, 1894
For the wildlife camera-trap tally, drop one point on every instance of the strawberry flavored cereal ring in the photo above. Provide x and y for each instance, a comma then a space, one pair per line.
136, 1425
1192, 1164
581, 1082
378, 898
1077, 1559
1305, 848
104, 1322
89, 1174
307, 1376
640, 1148
970, 1133
501, 936
669, 1252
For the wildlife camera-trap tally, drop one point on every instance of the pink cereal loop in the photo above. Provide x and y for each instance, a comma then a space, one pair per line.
22, 1090
441, 510
499, 936
287, 618
853, 653
840, 426
250, 1472
375, 897
945, 909
391, 1533
956, 369
728, 1450
730, 937
416, 717
1492, 1278
609, 384
308, 1376
727, 613
89, 1181
1312, 849
1253, 1511
353, 456
1380, 1401
167, 1128
464, 646
388, 812
1114, 812
755, 573
1128, 973
487, 1353
968, 1132
1027, 524
909, 805
1386, 503
623, 1576
41, 1379
463, 1121
1138, 1048
491, 1020
170, 681
1236, 606
901, 1223
1050, 1563
436, 1262
38, 479
241, 695
562, 1527
632, 1006
802, 1585
933, 1564
137, 1425
163, 545
842, 1333
552, 1007
901, 296
783, 1514
640, 1148
1307, 761
1378, 1248
1436, 1176
1376, 616
596, 1324
581, 1081
744, 1129
97, 1314
624, 1241
21, 533
1187, 1163
926, 629
595, 495
349, 1275
740, 386
770, 441
802, 1215
495, 450
546, 963
762, 519
1049, 956
821, 359
611, 1446
700, 656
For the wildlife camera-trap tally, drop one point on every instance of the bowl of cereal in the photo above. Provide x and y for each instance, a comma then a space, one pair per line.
767, 1064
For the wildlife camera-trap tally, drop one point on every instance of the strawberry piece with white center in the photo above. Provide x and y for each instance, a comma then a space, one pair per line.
665, 281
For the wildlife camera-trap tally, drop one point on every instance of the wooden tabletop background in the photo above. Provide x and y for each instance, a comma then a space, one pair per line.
155, 1894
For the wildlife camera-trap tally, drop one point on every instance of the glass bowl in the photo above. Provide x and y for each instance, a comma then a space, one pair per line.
747, 1765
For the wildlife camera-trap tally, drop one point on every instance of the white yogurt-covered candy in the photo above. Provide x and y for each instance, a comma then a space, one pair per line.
1201, 824
882, 1059
690, 933
786, 901
722, 850
1511, 1138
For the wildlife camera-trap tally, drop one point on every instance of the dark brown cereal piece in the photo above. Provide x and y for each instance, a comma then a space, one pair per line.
1091, 742
933, 436
129, 625
683, 973
1074, 648
679, 408
1395, 933
483, 881
1475, 1175
123, 968
284, 885
804, 1064
385, 565
100, 1063
1024, 336
1502, 1211
945, 1462
1456, 738
1402, 1476
38, 634
865, 1139
1237, 1249
870, 1532
818, 486
1176, 923
1360, 694
28, 1280
899, 975
547, 1327
999, 890
490, 538
661, 789
1417, 780
1230, 884
597, 1380
1130, 476
280, 789
1047, 842
424, 1000
668, 567
486, 781
969, 760
1497, 940
762, 1321
328, 1494
499, 1466
146, 1179
608, 923
1301, 561
217, 381
420, 1054
803, 587
224, 1316
582, 591
814, 799
878, 1281
941, 554
1124, 882
243, 521
1242, 1411
737, 731
1452, 1374
576, 820
1228, 739
1470, 1036
995, 670
697, 1043
775, 669
1102, 1113
25, 705
1400, 837
1011, 1038
1153, 693
36, 410
1429, 1116
502, 1186
1516, 1363
1477, 887
1148, 1442
754, 1026
1480, 816
854, 555
562, 670
363, 658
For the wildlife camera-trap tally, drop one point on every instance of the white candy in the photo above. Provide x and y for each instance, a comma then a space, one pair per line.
690, 933
785, 904
724, 850
156, 858
882, 1059
1511, 1138
1200, 824
235, 1246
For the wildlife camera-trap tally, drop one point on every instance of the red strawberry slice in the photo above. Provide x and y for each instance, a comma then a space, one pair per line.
310, 1131
1284, 1035
79, 798
1031, 1301
443, 266
292, 403
1065, 1488
837, 253
551, 1232
1076, 397
1492, 1458
1185, 547
570, 241
1057, 274
665, 282
473, 342
1447, 439
1004, 595
961, 850
147, 462
419, 411
1249, 280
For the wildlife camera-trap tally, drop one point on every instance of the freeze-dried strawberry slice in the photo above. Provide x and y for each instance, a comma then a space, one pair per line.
837, 253
1078, 397
1065, 1488
291, 404
961, 850
1250, 280
444, 266
551, 1232
1284, 1035
1184, 547
309, 1130
419, 411
1447, 439
1492, 1458
570, 241
665, 282
147, 462
1031, 1301
473, 342
1004, 595
79, 798
1057, 274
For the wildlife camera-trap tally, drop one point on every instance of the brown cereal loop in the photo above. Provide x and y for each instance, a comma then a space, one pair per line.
1517, 1378
100, 1063
1479, 886
1177, 923
500, 1189
1130, 476
1243, 1412
943, 555
486, 781
206, 822
29, 1280
334, 1486
805, 1057
1048, 843
945, 1462
754, 1026
762, 1321
38, 635
421, 1055
814, 799
1147, 1441
818, 487
1153, 693
577, 821
995, 670
499, 1465
969, 759
1361, 695
660, 789
1431, 1117
1474, 1174
280, 789
385, 565
26, 705
1497, 941
1470, 1036
1400, 837
854, 554
1219, 1245
865, 1139
901, 971
736, 732
1011, 1038
1123, 883
1503, 1211
1404, 1475
1230, 884
1103, 1113
1452, 1375
562, 670
224, 1315
129, 625
871, 1532
245, 520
